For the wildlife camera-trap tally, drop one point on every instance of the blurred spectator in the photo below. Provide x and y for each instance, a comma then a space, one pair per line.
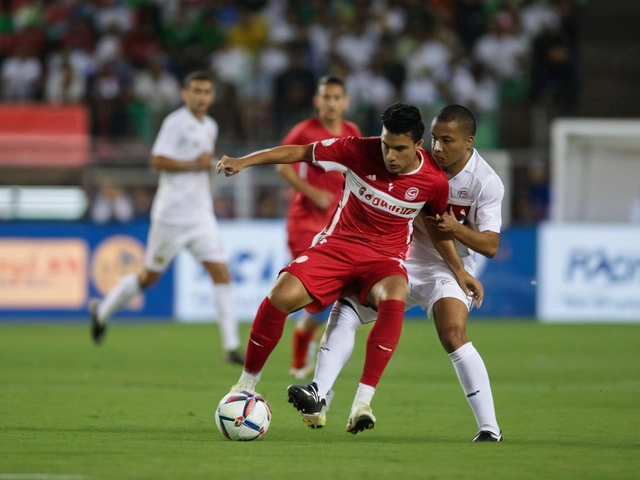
357, 46
536, 16
293, 91
250, 33
231, 64
474, 87
111, 203
65, 85
21, 76
158, 90
555, 70
109, 96
634, 211
470, 21
500, 50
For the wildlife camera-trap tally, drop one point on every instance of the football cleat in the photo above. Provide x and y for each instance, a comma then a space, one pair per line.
361, 418
306, 400
235, 357
246, 387
487, 436
98, 329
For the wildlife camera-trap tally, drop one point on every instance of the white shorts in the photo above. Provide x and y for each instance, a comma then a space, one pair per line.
165, 240
428, 283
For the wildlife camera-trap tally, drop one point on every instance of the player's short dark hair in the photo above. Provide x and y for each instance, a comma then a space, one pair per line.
331, 80
460, 115
197, 75
402, 118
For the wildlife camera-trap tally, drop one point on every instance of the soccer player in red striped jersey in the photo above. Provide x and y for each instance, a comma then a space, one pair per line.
315, 200
390, 179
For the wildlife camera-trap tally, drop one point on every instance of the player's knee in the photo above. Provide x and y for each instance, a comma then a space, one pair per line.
452, 337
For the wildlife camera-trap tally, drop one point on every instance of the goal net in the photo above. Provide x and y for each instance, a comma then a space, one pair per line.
595, 170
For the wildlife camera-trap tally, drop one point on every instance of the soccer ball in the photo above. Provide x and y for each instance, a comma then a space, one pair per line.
243, 416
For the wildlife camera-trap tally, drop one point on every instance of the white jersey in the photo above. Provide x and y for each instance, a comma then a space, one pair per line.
475, 194
184, 197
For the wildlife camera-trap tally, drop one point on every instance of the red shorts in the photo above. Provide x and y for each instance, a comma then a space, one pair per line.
336, 268
299, 242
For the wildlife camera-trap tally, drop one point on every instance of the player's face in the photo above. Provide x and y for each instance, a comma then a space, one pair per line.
331, 101
400, 152
449, 144
198, 96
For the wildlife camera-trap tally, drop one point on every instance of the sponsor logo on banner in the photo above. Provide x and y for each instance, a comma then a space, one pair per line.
113, 258
43, 274
589, 273
257, 251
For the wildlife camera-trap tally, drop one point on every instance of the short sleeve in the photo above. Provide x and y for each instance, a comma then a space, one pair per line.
489, 207
440, 200
167, 140
334, 154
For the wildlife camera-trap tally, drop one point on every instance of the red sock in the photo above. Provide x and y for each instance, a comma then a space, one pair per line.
265, 334
383, 340
301, 341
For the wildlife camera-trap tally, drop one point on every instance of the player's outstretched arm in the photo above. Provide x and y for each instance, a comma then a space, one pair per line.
284, 154
203, 162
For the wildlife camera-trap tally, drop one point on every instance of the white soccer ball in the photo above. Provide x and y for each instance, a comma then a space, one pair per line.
243, 416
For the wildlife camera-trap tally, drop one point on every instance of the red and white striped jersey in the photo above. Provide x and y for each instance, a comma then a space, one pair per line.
377, 207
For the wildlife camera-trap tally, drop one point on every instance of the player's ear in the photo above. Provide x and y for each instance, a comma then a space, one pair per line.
470, 140
316, 101
419, 144
183, 95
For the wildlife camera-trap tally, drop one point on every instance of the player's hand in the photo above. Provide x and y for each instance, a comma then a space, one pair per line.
204, 161
323, 199
229, 165
447, 223
472, 287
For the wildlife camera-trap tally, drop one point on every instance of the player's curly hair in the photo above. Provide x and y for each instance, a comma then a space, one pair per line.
460, 115
403, 119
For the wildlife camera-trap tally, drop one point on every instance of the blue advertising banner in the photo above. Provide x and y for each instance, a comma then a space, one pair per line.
52, 269
508, 278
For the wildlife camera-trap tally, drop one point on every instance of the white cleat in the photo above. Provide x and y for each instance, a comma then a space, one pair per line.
361, 418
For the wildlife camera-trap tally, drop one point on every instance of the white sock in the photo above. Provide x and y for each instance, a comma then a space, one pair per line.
364, 394
119, 297
336, 346
250, 378
227, 316
474, 380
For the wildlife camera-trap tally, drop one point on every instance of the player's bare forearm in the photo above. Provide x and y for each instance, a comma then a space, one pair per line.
203, 162
446, 247
286, 154
485, 243
288, 173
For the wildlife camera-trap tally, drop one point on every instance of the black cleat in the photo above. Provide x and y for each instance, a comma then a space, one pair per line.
306, 400
235, 357
98, 329
486, 436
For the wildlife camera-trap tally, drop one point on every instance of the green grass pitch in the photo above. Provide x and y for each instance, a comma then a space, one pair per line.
141, 406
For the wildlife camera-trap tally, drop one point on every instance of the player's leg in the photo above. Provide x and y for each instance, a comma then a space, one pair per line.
163, 243
389, 296
118, 297
287, 295
226, 308
304, 346
205, 244
450, 317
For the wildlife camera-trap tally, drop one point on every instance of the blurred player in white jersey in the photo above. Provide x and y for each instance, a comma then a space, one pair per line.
474, 219
182, 213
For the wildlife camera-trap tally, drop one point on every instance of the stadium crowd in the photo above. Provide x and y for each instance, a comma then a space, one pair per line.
125, 59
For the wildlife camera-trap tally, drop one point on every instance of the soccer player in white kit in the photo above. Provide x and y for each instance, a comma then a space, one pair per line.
474, 219
182, 213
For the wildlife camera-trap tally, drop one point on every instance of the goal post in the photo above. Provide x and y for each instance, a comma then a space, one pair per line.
595, 165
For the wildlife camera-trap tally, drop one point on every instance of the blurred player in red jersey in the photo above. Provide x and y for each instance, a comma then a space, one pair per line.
390, 179
315, 200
